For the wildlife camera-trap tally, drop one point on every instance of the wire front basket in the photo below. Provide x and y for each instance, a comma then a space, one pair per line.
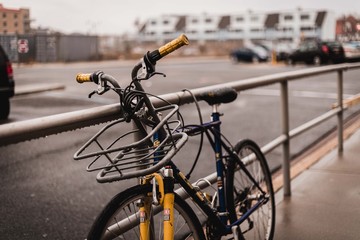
133, 153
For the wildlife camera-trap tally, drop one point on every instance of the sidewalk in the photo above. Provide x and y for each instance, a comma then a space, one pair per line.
325, 200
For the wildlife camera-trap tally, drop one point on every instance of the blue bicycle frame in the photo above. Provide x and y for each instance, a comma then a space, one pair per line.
219, 218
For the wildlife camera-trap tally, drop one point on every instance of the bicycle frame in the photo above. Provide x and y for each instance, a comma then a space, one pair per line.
219, 218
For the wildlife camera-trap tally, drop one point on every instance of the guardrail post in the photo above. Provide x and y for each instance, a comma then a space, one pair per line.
286, 144
340, 114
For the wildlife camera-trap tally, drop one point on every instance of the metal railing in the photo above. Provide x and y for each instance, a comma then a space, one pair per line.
41, 127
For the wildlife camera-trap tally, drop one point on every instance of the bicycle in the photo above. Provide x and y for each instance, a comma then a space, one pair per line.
243, 206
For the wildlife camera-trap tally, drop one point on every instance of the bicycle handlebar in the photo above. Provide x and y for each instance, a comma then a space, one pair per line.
153, 57
84, 77
164, 50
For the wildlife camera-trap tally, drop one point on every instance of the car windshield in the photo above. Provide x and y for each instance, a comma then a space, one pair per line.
260, 51
333, 44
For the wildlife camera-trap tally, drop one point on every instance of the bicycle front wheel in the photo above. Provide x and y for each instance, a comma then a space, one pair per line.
120, 218
244, 192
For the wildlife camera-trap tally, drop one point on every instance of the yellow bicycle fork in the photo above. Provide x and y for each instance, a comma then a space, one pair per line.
166, 198
145, 217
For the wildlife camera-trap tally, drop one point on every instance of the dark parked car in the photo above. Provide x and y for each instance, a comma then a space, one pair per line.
249, 54
6, 84
317, 52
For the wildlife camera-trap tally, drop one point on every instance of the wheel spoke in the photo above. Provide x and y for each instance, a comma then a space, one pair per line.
248, 191
121, 218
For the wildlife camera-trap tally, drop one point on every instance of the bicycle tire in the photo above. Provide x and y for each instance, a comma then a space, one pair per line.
263, 219
125, 203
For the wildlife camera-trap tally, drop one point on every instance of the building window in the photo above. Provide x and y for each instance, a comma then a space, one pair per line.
255, 30
288, 17
304, 17
165, 22
15, 16
15, 24
239, 19
254, 18
208, 20
287, 29
4, 15
194, 20
209, 31
306, 28
153, 22
4, 24
237, 30
192, 32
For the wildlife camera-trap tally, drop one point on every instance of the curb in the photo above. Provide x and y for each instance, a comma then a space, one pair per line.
37, 88
315, 153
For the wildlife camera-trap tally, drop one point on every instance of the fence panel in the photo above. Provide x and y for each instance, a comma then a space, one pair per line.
78, 48
50, 47
46, 48
9, 43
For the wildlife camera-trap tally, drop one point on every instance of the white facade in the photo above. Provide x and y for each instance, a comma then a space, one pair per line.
329, 29
202, 27
291, 26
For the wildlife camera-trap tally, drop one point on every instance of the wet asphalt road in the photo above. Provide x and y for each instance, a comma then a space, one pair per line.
47, 195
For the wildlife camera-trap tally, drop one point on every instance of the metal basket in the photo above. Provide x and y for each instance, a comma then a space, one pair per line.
125, 157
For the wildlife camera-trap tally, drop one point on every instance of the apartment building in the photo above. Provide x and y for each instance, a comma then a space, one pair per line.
290, 26
14, 21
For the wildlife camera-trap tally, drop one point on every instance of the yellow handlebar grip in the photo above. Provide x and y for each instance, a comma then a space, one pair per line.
173, 45
83, 77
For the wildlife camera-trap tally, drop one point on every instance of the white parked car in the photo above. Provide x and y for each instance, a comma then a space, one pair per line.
352, 50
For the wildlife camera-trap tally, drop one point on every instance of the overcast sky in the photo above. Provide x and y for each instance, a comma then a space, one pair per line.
118, 16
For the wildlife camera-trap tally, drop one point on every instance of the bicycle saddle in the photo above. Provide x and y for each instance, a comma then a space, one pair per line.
217, 96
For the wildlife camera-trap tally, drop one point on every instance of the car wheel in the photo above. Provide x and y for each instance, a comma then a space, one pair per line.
290, 62
234, 59
317, 61
5, 108
255, 59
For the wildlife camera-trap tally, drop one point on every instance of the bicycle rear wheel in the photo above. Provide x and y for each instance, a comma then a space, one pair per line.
120, 218
242, 193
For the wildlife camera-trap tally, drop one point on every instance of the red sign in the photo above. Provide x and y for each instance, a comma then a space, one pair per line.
23, 45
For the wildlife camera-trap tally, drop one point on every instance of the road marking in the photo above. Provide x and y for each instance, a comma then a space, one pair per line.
303, 94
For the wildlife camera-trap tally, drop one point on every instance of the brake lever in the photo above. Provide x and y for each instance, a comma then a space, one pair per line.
156, 73
91, 94
147, 76
100, 91
147, 69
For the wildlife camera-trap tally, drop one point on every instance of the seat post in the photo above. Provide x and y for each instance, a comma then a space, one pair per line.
215, 108
215, 117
